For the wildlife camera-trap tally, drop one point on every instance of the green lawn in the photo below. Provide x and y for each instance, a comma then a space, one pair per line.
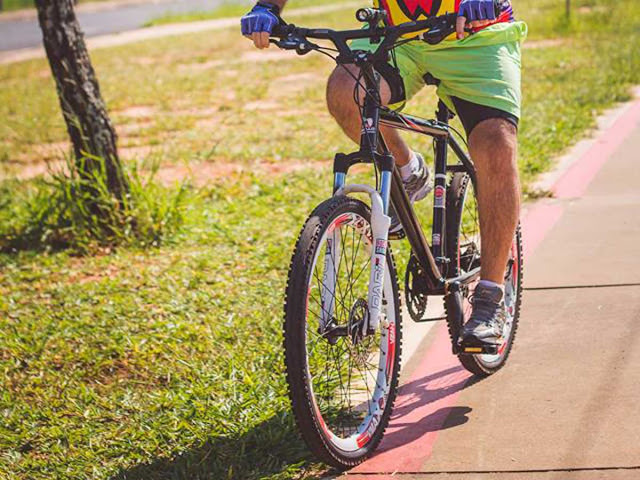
166, 363
16, 4
227, 9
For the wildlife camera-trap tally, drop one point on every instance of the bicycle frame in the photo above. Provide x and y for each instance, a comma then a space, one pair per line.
373, 148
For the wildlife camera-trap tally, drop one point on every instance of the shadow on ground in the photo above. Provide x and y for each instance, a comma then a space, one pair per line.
267, 449
421, 392
274, 446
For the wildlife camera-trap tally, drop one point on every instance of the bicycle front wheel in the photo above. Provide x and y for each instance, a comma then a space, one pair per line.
342, 378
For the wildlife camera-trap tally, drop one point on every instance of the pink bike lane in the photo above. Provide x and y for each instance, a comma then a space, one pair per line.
565, 406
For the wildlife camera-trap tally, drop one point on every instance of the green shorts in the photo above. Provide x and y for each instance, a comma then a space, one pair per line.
483, 68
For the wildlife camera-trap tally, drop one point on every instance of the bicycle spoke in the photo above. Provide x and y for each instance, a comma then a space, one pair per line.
344, 362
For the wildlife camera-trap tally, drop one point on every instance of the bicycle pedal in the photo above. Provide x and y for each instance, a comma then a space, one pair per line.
399, 235
485, 349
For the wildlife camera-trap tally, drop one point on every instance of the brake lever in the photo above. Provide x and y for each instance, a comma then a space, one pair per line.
284, 44
437, 34
301, 46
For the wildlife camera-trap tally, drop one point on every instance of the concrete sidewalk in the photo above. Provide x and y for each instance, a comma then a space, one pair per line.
567, 405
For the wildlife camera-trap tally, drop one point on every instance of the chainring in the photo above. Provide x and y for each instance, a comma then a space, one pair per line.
415, 289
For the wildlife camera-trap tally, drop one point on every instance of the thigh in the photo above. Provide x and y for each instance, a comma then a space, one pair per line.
403, 73
342, 84
483, 70
471, 114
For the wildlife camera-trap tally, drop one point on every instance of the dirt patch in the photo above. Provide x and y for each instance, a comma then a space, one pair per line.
136, 153
292, 84
208, 123
32, 170
132, 129
262, 105
199, 174
44, 152
592, 9
258, 56
196, 112
201, 66
138, 112
229, 73
203, 173
546, 43
270, 55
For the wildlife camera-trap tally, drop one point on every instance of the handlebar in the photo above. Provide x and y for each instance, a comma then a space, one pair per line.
436, 29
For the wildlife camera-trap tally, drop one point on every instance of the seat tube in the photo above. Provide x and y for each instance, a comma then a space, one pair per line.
440, 187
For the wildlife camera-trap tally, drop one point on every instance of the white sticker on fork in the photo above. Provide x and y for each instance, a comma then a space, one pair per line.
376, 281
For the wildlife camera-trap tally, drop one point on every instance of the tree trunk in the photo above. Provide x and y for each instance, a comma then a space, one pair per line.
84, 111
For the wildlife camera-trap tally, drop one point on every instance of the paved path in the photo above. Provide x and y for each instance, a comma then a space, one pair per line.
24, 32
566, 406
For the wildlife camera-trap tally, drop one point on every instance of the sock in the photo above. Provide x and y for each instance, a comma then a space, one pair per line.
490, 284
407, 170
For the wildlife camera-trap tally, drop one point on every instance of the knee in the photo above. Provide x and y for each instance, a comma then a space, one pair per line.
340, 100
494, 142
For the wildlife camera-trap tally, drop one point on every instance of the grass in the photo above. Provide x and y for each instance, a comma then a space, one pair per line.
77, 211
224, 10
166, 362
230, 9
8, 5
114, 361
186, 104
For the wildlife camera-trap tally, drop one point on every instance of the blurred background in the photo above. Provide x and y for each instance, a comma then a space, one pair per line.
155, 352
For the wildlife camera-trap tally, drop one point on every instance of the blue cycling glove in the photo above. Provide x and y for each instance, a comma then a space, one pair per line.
262, 18
474, 10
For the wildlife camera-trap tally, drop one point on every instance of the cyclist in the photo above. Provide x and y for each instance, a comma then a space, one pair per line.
478, 77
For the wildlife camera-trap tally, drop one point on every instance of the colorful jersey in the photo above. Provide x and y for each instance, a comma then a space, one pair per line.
402, 11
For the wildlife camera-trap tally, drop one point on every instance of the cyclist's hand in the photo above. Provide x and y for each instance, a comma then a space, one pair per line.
475, 13
259, 22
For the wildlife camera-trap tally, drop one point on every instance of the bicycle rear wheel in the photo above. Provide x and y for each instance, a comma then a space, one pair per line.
463, 245
342, 381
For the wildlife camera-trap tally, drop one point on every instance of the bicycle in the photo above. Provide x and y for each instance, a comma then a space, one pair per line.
342, 327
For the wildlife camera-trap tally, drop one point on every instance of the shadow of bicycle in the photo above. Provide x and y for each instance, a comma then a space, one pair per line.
274, 445
406, 423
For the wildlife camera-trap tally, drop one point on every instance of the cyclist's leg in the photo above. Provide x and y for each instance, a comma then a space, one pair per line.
396, 86
342, 105
493, 147
493, 143
480, 79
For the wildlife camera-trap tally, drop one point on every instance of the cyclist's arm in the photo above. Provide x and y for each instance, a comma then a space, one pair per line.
259, 22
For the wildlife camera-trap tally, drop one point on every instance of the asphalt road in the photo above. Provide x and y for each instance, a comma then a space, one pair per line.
24, 33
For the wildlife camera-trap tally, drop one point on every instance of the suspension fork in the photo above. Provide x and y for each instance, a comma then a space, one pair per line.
380, 221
